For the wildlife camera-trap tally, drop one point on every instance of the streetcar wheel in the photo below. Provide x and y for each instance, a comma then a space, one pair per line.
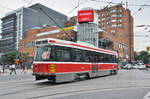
115, 72
87, 76
111, 72
76, 77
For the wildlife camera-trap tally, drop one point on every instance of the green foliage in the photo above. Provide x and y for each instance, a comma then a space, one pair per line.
145, 59
137, 57
143, 53
144, 56
8, 58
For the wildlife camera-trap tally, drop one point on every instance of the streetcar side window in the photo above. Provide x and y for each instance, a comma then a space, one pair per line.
63, 55
114, 59
77, 55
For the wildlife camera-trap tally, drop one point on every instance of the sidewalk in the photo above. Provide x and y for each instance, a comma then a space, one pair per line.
18, 71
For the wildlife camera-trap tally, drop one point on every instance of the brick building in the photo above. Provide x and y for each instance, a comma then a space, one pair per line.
27, 45
117, 23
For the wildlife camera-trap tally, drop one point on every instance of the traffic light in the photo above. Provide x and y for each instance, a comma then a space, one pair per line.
148, 48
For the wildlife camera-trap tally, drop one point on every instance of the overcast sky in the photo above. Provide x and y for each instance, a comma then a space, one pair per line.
142, 36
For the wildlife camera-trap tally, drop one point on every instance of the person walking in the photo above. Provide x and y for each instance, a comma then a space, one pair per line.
3, 68
23, 68
13, 69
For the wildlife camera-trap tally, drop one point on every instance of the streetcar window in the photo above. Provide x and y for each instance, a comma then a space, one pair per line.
77, 55
42, 53
86, 56
105, 58
62, 55
114, 58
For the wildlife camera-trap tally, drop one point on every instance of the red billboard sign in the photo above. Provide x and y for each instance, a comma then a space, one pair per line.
85, 16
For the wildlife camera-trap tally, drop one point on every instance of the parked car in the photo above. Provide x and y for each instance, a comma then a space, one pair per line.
128, 66
134, 66
141, 66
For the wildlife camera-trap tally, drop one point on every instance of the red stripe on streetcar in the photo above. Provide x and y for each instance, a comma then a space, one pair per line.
52, 41
91, 48
82, 46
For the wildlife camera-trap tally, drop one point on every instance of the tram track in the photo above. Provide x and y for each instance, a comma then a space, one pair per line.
44, 86
35, 87
86, 91
45, 89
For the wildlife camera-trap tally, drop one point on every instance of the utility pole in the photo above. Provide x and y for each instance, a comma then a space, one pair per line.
130, 48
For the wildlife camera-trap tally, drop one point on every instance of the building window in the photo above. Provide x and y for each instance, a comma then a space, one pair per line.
29, 44
113, 25
7, 28
25, 44
119, 15
103, 19
119, 25
114, 15
33, 43
119, 20
119, 45
113, 10
119, 10
114, 20
102, 24
112, 32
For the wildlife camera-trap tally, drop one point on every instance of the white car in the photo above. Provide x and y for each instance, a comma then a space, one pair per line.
127, 66
134, 66
141, 66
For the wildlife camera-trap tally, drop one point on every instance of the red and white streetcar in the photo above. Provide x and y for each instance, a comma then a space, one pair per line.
63, 61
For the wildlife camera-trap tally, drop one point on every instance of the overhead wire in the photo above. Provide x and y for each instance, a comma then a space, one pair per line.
119, 3
142, 7
77, 6
53, 21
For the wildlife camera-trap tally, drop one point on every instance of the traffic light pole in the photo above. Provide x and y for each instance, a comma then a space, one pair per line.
130, 48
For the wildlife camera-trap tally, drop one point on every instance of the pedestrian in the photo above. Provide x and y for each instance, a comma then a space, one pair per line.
12, 69
23, 69
3, 68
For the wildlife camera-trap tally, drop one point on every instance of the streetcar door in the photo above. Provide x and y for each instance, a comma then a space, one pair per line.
94, 66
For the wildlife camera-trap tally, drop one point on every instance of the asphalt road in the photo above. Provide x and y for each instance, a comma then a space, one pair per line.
128, 84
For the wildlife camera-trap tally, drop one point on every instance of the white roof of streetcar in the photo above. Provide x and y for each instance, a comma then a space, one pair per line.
79, 45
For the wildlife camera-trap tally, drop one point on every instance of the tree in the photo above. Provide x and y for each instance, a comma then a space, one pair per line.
143, 53
8, 58
145, 59
144, 56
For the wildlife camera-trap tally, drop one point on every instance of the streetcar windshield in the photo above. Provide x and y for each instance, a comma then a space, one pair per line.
43, 53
